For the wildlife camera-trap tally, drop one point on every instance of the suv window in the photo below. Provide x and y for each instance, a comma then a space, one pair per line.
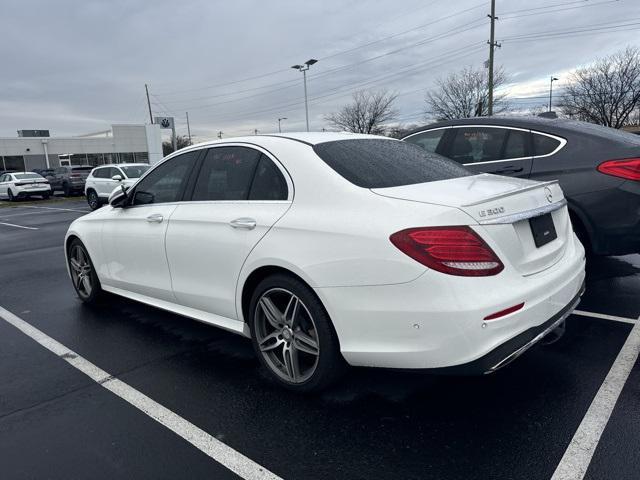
226, 174
477, 144
166, 182
543, 145
429, 140
100, 172
268, 182
61, 170
378, 163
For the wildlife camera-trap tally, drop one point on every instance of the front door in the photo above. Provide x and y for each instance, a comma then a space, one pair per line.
133, 238
238, 195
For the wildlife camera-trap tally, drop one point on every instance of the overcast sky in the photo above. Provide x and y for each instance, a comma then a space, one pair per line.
79, 66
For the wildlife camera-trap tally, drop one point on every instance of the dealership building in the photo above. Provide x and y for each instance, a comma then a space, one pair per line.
122, 143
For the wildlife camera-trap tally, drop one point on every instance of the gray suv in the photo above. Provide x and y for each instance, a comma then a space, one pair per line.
69, 179
597, 167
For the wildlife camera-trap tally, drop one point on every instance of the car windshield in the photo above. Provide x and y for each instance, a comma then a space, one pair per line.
26, 176
134, 171
379, 163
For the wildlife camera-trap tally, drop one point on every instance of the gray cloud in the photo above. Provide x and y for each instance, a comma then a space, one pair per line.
78, 66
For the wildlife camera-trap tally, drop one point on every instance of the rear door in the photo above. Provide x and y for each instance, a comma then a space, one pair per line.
3, 184
491, 149
240, 192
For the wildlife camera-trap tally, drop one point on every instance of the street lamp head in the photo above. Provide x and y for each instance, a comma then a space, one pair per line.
297, 67
311, 61
553, 79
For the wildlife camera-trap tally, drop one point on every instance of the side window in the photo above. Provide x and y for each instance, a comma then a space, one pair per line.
114, 171
516, 146
166, 182
543, 145
477, 144
226, 174
428, 140
268, 182
3, 178
60, 171
100, 173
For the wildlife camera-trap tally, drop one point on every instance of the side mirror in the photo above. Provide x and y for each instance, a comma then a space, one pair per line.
117, 178
118, 197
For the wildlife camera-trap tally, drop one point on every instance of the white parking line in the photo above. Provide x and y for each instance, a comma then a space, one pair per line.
577, 457
604, 316
18, 226
64, 212
56, 208
214, 448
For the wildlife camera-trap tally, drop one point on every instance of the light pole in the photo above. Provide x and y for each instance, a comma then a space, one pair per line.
303, 69
553, 79
279, 120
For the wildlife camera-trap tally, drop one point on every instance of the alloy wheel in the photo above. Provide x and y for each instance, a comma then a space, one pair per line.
93, 200
81, 270
286, 335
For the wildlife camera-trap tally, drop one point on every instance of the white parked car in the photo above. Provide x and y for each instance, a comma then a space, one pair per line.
328, 248
23, 185
104, 179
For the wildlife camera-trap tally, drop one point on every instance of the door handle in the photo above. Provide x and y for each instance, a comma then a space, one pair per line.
509, 170
155, 218
246, 223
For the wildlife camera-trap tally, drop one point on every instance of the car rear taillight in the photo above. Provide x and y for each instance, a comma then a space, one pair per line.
21, 184
454, 250
628, 168
75, 175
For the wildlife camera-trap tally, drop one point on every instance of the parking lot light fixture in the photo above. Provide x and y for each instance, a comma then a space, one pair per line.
303, 68
553, 79
279, 120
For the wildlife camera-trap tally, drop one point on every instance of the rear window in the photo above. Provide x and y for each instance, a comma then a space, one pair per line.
379, 163
26, 176
82, 169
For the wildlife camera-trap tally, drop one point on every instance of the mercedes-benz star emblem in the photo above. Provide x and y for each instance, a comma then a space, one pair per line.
549, 194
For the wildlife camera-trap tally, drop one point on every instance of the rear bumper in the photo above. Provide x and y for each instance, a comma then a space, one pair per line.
26, 192
437, 320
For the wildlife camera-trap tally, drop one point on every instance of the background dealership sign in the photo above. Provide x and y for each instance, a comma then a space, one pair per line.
166, 123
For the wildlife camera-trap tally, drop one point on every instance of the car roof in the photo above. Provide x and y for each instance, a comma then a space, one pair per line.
558, 126
122, 165
310, 138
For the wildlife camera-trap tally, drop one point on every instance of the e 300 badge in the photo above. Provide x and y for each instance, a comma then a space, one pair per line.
491, 211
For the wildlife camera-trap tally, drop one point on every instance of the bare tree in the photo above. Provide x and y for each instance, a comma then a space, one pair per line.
182, 141
366, 114
465, 94
399, 131
606, 92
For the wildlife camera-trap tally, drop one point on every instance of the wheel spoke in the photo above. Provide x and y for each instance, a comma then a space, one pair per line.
271, 312
74, 264
291, 311
306, 343
86, 283
270, 342
291, 362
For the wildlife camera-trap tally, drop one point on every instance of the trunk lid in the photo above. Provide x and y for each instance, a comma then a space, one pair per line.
501, 209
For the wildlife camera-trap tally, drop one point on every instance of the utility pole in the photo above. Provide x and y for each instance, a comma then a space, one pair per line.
188, 128
279, 120
146, 89
553, 79
492, 45
220, 134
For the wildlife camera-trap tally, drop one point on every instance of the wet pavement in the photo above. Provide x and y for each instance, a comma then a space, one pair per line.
57, 423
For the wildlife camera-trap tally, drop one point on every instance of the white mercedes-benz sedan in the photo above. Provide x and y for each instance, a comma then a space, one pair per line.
329, 249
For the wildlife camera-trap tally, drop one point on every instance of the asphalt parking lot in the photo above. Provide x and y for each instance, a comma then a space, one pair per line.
534, 418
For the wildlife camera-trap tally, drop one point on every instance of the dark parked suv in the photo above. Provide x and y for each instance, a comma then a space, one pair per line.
597, 167
69, 179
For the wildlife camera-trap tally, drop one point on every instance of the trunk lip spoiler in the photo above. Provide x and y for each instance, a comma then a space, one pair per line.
527, 214
508, 194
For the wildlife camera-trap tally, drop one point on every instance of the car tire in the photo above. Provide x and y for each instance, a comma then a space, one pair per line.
46, 196
293, 336
93, 200
83, 274
66, 190
12, 197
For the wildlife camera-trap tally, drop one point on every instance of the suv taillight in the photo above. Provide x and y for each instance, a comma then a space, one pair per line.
628, 168
454, 250
75, 175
